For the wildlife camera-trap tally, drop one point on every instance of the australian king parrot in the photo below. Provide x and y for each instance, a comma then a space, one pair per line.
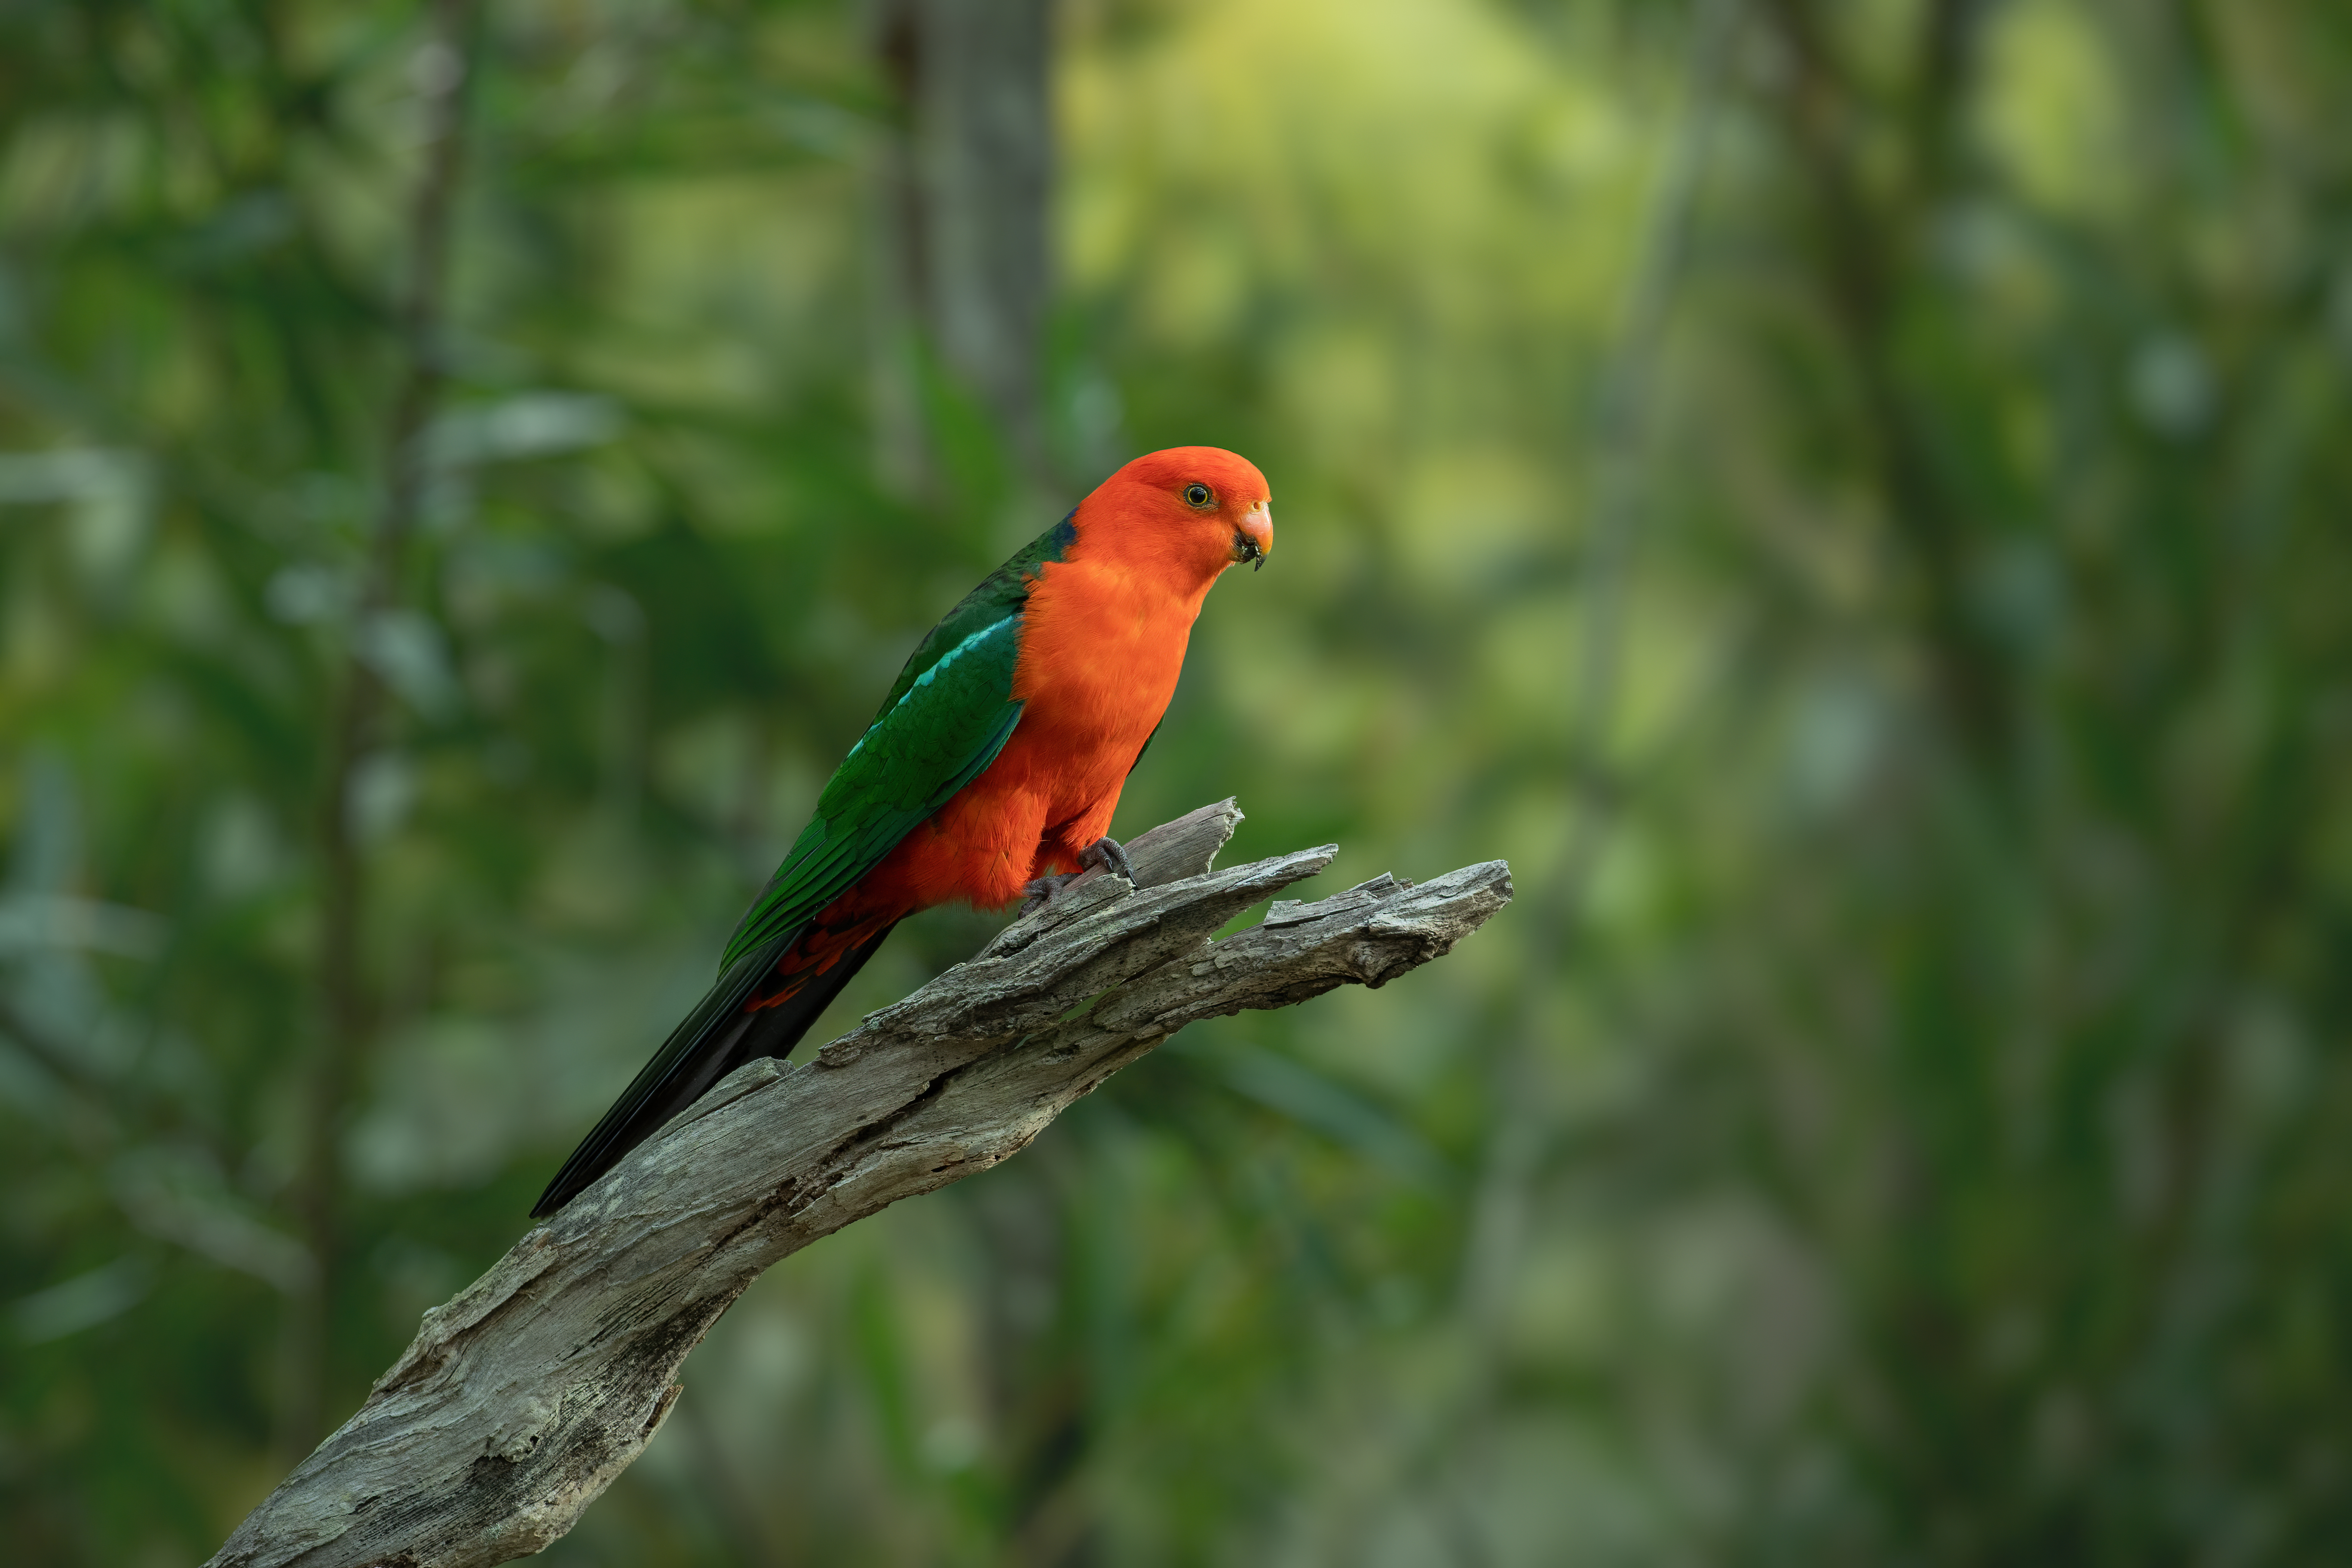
994, 764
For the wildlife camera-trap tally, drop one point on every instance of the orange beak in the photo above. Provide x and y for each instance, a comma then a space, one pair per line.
1254, 539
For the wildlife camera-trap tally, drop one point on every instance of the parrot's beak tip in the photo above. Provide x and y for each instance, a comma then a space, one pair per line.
1254, 540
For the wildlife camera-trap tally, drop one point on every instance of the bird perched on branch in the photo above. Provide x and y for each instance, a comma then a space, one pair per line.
990, 772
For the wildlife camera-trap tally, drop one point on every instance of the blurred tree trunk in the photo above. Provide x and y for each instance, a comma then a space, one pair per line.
965, 184
965, 187
357, 722
1871, 228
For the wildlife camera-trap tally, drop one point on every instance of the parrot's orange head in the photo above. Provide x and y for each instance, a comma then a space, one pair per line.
1189, 511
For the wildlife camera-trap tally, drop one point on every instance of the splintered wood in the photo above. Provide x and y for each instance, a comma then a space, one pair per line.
522, 1397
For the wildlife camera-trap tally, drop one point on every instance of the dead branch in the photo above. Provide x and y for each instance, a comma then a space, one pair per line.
521, 1398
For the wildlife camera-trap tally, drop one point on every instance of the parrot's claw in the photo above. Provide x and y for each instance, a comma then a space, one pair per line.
1109, 854
1106, 854
1040, 893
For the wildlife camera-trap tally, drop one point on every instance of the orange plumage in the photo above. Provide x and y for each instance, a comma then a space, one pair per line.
1102, 644
1075, 645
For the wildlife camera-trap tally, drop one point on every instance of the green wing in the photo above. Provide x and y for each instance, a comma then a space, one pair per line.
1004, 593
935, 738
948, 715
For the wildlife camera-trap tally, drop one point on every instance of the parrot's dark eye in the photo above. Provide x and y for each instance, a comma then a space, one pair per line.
1197, 495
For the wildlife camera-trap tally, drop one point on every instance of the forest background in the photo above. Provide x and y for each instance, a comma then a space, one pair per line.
1842, 495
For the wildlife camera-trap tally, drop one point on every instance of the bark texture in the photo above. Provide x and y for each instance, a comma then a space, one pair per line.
522, 1397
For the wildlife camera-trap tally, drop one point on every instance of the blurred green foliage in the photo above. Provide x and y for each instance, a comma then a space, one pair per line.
1848, 497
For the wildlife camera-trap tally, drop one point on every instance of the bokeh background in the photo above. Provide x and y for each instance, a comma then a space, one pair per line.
1850, 497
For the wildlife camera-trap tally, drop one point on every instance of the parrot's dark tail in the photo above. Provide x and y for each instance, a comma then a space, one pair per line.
730, 1025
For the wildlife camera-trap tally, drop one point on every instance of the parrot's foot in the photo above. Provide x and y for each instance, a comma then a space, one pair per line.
1040, 893
1107, 853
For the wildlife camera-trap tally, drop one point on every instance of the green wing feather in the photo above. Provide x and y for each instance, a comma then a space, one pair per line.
945, 717
1003, 593
946, 727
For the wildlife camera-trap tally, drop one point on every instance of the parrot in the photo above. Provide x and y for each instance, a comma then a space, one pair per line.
989, 774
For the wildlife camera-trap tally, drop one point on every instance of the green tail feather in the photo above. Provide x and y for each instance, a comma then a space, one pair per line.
715, 1039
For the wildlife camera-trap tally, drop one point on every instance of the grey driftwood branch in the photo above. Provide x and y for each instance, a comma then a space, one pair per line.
522, 1397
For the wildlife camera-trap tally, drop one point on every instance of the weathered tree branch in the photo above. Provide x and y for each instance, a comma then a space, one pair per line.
522, 1397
